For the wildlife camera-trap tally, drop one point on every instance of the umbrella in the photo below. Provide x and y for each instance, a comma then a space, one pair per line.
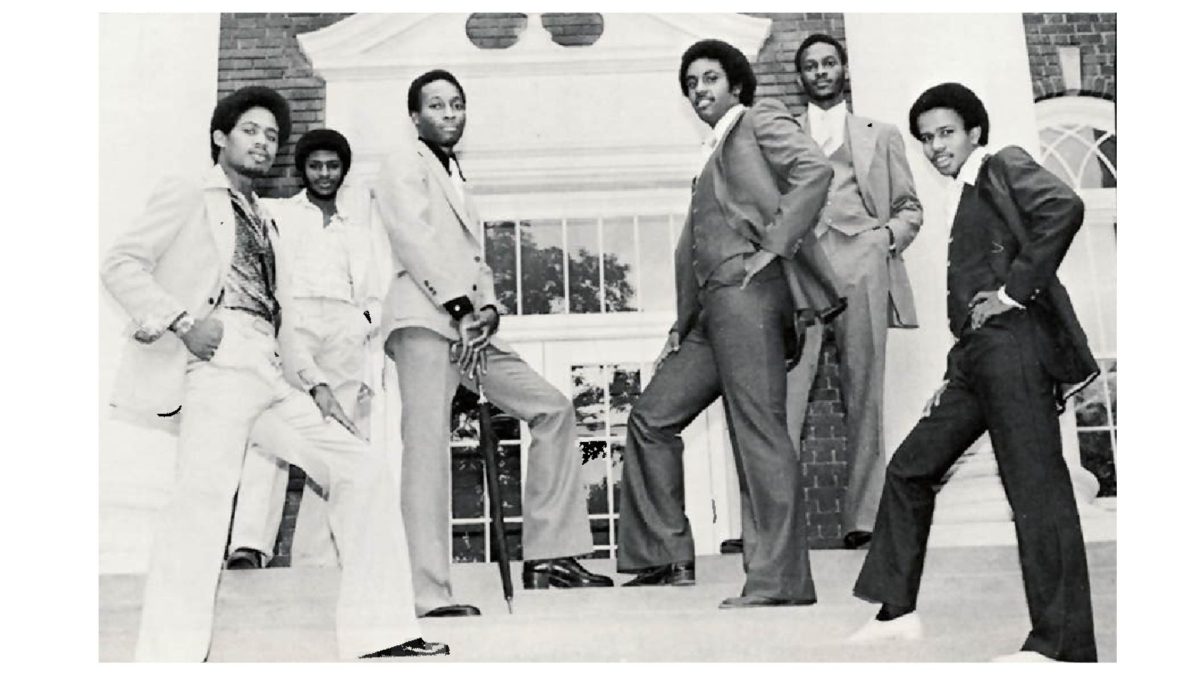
487, 448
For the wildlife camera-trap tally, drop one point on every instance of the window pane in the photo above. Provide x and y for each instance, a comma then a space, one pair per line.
620, 265
466, 543
583, 247
1090, 405
588, 399
595, 475
656, 291
1111, 367
501, 255
466, 483
623, 390
618, 464
542, 267
508, 460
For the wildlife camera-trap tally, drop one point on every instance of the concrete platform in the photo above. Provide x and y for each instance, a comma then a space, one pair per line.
972, 605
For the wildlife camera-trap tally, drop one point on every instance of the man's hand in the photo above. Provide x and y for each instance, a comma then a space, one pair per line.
755, 264
935, 399
668, 349
486, 321
204, 338
329, 407
984, 306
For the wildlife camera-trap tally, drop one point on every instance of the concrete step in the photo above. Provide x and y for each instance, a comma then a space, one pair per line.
972, 604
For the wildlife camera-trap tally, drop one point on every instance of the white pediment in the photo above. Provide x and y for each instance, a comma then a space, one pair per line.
542, 118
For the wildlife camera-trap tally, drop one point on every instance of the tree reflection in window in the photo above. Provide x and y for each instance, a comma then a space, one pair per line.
603, 395
628, 257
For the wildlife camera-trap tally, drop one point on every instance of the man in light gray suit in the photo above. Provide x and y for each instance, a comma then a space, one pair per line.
871, 215
443, 297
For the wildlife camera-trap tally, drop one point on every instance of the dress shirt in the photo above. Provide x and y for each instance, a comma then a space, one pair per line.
718, 131
321, 252
827, 127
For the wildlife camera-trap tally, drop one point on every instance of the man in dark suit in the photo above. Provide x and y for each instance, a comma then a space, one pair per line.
753, 206
1019, 351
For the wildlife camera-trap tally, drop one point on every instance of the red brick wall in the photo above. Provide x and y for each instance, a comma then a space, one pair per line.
775, 67
1096, 37
262, 49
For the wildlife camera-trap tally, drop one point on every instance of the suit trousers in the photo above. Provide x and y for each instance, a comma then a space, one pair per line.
860, 264
737, 350
554, 510
240, 387
1001, 388
334, 333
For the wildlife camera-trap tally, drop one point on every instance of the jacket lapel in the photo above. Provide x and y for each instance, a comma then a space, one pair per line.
862, 137
443, 180
219, 212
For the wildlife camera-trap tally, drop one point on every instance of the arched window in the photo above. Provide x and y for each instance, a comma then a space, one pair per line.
1079, 144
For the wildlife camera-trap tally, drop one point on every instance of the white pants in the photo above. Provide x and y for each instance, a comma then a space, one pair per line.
334, 333
243, 386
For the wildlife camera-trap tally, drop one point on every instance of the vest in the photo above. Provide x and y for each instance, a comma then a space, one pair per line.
713, 240
970, 266
844, 209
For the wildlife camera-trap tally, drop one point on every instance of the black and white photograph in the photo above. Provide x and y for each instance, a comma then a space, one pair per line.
608, 336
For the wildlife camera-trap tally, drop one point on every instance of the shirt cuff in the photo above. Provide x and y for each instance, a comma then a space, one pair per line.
459, 307
1007, 300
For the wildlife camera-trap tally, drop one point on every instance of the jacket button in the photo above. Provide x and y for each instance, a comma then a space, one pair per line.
473, 287
477, 259
211, 301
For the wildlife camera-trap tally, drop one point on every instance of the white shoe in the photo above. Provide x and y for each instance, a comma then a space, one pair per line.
907, 627
1024, 657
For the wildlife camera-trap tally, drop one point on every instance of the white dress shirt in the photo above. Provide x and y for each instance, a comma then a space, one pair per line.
718, 131
827, 127
322, 253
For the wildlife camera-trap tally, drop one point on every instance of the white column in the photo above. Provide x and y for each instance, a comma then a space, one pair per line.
158, 84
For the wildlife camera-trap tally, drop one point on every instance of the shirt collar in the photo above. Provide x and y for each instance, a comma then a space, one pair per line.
970, 168
442, 156
722, 126
834, 115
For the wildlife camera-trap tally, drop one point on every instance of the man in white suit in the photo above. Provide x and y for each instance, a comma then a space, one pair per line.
333, 311
443, 296
196, 272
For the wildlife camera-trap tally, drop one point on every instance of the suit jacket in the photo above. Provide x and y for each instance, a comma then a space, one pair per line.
369, 263
1036, 217
890, 196
174, 258
770, 180
436, 243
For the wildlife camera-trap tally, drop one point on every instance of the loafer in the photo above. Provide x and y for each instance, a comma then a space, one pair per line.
674, 574
560, 573
748, 601
417, 647
451, 610
245, 559
856, 539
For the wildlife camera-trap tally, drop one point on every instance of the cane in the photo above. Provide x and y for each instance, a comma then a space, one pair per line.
487, 448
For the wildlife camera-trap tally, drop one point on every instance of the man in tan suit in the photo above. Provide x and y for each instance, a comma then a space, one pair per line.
871, 215
752, 210
442, 297
196, 272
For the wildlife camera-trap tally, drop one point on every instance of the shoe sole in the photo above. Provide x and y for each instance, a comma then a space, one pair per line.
540, 582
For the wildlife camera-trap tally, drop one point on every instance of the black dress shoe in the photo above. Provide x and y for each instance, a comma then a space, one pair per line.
245, 559
560, 573
732, 545
856, 539
418, 647
746, 601
451, 610
675, 574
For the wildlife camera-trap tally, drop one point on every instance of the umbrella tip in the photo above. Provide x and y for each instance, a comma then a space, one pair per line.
509, 601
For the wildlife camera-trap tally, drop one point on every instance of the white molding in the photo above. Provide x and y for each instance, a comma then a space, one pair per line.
574, 327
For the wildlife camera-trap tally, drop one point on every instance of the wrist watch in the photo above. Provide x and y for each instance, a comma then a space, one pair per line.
183, 324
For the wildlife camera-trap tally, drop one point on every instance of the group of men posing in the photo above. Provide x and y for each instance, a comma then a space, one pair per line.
253, 321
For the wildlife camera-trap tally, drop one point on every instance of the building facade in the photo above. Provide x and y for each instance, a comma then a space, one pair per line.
579, 151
